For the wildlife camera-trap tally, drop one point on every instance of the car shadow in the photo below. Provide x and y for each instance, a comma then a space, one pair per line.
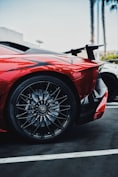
76, 133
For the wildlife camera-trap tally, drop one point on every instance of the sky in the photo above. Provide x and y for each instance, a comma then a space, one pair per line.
60, 24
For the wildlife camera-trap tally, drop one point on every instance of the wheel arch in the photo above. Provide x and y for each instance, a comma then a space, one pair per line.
109, 74
60, 76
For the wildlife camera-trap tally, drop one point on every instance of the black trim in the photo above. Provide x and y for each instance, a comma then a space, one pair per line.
37, 63
90, 103
23, 48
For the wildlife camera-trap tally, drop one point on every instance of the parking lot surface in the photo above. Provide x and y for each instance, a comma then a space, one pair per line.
90, 150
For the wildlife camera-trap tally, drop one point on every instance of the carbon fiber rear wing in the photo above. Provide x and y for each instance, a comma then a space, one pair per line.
89, 50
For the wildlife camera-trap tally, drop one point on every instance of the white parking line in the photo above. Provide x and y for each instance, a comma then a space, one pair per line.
112, 105
58, 156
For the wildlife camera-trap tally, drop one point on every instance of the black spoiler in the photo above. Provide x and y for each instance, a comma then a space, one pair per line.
89, 49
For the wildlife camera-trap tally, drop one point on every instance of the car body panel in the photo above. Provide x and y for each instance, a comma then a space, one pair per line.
16, 66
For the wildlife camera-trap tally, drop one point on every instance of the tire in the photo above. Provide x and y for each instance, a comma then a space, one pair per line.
111, 83
41, 108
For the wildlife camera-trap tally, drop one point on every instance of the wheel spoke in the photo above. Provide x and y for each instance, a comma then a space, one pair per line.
57, 94
63, 100
25, 125
21, 108
66, 109
60, 124
20, 118
54, 123
47, 86
29, 124
65, 106
22, 114
63, 97
54, 92
31, 89
48, 127
22, 125
36, 129
21, 105
24, 97
62, 118
64, 115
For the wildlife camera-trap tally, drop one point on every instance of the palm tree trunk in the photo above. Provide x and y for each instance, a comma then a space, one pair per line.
103, 25
92, 20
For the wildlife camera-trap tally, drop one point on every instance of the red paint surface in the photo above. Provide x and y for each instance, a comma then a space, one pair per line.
14, 66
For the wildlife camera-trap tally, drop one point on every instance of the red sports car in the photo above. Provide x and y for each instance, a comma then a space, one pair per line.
43, 93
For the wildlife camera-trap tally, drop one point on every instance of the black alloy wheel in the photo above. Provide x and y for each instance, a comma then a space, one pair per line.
41, 108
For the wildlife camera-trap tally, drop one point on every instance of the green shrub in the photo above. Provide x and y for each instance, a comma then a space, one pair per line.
109, 57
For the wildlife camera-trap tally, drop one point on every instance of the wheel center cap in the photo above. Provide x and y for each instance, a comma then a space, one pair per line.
42, 108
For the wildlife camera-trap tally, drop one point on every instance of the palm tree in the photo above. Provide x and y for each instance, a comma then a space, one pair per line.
103, 24
92, 2
113, 6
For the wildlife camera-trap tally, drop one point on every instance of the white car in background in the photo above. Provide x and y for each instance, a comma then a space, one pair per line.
109, 75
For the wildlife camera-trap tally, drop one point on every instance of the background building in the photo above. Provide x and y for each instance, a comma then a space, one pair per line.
10, 35
7, 34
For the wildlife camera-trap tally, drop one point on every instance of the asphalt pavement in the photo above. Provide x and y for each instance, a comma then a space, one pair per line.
90, 150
